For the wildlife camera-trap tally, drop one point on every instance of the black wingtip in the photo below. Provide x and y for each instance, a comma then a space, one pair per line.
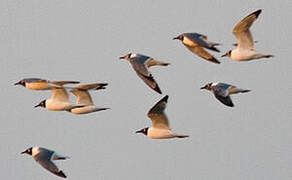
165, 98
215, 49
257, 13
230, 105
157, 89
61, 174
214, 60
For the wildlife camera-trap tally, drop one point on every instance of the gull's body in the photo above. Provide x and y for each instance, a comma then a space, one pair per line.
59, 101
140, 64
160, 126
45, 158
223, 91
245, 50
84, 98
196, 43
42, 84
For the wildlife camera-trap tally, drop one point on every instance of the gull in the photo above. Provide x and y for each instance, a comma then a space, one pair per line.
84, 98
196, 43
160, 126
223, 91
245, 50
140, 64
45, 158
59, 101
42, 84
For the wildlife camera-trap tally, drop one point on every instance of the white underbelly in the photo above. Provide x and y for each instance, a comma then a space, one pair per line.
58, 105
156, 133
242, 55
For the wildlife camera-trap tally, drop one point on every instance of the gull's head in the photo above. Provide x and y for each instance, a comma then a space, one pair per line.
28, 151
127, 56
20, 83
41, 104
144, 131
227, 54
180, 37
207, 86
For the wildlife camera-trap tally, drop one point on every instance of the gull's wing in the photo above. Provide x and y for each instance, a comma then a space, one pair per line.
60, 94
61, 83
44, 159
200, 51
83, 97
91, 86
149, 80
200, 40
225, 100
139, 65
242, 33
82, 94
221, 89
30, 80
157, 115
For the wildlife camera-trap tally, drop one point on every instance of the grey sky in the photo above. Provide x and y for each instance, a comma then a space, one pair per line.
82, 40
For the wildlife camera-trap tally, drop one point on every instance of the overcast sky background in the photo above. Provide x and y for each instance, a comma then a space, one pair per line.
83, 40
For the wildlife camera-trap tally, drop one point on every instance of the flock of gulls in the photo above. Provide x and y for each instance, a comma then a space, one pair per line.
195, 42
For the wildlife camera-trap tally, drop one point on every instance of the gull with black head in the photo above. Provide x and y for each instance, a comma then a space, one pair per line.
160, 126
222, 92
45, 158
59, 101
245, 50
140, 64
196, 43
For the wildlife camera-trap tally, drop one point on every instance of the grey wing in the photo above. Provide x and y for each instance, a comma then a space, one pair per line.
139, 65
221, 89
200, 51
223, 86
225, 100
200, 40
61, 83
157, 115
83, 97
29, 80
242, 32
59, 94
149, 80
44, 159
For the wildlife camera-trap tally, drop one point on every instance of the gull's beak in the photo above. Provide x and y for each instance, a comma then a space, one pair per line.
37, 105
23, 152
17, 83
122, 57
175, 38
224, 55
140, 131
203, 87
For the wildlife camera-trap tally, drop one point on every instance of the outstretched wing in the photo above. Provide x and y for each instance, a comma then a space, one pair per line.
44, 159
200, 51
149, 80
61, 83
157, 115
200, 40
242, 32
225, 100
83, 97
